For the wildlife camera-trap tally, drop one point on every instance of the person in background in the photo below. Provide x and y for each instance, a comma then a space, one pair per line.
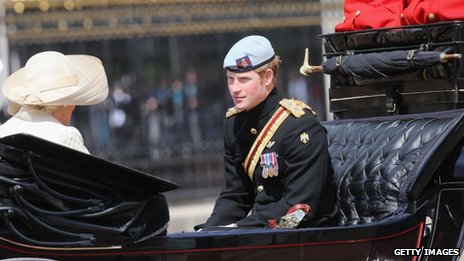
276, 151
191, 95
176, 113
44, 93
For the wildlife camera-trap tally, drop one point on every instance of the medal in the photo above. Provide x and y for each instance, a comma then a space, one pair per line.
275, 164
269, 164
271, 172
265, 172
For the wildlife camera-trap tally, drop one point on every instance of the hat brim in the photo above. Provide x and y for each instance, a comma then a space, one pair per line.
91, 87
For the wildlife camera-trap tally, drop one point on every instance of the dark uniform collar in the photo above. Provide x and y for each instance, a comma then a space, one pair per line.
266, 106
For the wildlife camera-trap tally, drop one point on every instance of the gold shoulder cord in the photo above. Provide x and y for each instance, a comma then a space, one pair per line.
232, 111
306, 106
263, 139
296, 107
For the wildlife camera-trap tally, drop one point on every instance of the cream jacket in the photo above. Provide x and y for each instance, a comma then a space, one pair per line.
43, 125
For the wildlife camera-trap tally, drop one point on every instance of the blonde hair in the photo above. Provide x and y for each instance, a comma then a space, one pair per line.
274, 65
13, 108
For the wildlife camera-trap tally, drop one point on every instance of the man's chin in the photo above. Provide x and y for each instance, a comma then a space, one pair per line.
240, 106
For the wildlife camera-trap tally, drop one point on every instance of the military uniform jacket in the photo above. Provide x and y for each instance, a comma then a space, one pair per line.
304, 172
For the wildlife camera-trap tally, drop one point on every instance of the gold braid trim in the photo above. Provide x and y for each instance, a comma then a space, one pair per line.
296, 107
232, 111
263, 139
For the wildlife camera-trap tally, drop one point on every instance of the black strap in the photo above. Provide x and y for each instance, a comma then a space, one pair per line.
392, 96
8, 215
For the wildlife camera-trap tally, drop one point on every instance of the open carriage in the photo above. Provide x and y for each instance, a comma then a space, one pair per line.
399, 189
396, 190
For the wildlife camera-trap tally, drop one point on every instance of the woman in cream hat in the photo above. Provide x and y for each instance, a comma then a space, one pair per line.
44, 93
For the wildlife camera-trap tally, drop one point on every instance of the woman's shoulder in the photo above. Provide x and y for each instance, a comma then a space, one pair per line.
72, 138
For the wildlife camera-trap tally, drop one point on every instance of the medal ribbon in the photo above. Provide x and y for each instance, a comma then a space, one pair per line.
263, 139
269, 160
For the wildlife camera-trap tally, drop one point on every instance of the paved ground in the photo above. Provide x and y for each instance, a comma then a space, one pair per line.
184, 217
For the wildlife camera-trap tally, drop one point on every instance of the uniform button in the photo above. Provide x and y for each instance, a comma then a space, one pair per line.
431, 16
260, 188
253, 131
401, 15
358, 12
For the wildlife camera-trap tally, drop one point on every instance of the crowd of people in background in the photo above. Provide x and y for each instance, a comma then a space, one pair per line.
168, 112
171, 111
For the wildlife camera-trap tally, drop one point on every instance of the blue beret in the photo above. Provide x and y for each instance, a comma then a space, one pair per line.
249, 53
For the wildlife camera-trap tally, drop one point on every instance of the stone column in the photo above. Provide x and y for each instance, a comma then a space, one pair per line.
4, 51
174, 55
331, 14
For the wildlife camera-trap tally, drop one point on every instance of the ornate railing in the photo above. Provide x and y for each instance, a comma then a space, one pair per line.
33, 22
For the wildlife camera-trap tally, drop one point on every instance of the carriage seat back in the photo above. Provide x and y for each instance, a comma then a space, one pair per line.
382, 164
51, 195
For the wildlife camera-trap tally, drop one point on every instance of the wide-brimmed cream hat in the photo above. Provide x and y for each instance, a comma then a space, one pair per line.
52, 78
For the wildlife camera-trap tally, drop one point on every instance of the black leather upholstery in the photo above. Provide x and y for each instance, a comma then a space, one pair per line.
433, 88
51, 195
378, 160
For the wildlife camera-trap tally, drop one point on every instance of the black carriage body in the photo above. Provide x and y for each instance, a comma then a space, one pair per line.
392, 175
435, 88
54, 196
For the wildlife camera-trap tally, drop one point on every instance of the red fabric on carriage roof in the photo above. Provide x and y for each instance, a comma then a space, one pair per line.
373, 14
368, 14
432, 11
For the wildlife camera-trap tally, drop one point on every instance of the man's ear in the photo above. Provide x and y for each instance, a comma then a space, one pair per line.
268, 78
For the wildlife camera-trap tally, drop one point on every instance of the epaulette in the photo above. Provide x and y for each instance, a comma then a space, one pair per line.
232, 111
296, 107
306, 106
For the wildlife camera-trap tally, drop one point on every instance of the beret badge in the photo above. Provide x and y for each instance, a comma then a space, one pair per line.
243, 62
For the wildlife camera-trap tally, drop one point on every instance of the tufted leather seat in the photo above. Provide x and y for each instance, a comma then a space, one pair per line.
377, 161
